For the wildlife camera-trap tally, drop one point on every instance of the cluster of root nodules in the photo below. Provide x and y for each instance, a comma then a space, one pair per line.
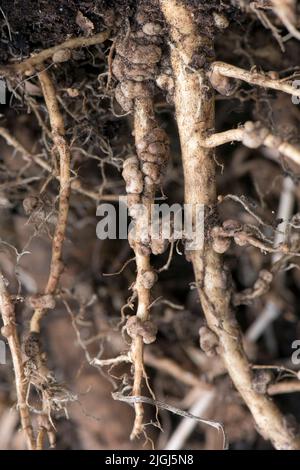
136, 66
141, 62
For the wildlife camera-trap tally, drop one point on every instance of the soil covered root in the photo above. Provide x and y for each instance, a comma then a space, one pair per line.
194, 105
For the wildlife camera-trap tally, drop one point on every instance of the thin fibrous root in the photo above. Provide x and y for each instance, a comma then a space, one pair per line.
9, 330
134, 399
194, 105
75, 183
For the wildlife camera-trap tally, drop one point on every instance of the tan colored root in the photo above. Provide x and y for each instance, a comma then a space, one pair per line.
9, 330
29, 65
40, 378
292, 386
253, 78
194, 103
62, 148
267, 139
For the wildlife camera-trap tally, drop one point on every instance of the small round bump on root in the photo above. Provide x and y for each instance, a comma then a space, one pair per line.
32, 345
159, 245
132, 176
165, 82
7, 330
30, 203
254, 134
220, 20
136, 327
62, 55
153, 171
208, 341
261, 380
224, 85
148, 279
152, 29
